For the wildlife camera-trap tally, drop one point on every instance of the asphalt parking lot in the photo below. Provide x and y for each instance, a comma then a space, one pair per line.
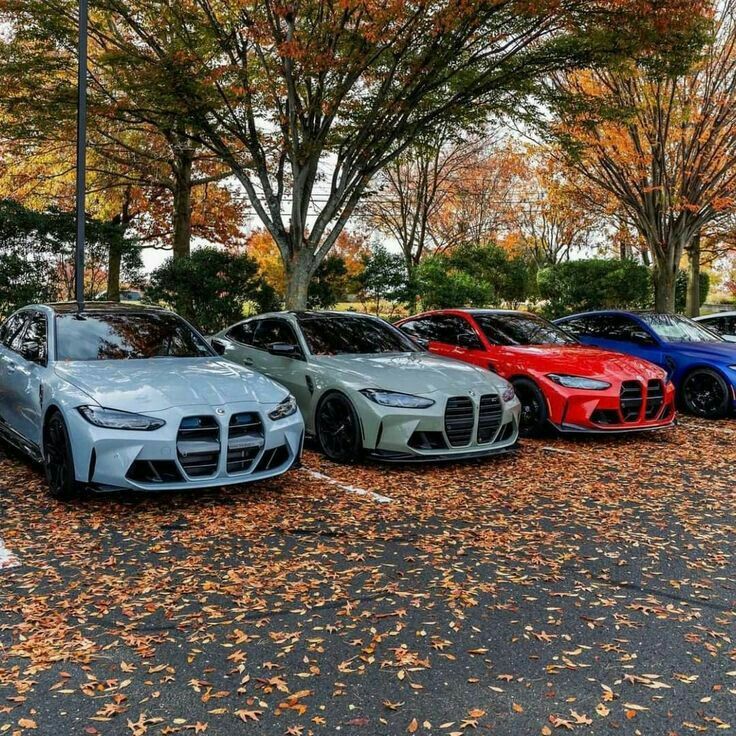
584, 586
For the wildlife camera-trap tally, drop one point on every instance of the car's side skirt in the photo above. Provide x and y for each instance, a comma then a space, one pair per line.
19, 442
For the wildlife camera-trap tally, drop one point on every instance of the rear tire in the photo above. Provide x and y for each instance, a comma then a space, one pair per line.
58, 459
534, 414
338, 429
705, 394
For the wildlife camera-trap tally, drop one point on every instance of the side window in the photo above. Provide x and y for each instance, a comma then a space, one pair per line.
581, 326
729, 328
423, 330
11, 331
242, 333
457, 331
269, 331
37, 332
626, 330
717, 324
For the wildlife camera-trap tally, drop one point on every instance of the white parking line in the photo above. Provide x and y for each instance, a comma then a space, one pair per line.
7, 558
348, 488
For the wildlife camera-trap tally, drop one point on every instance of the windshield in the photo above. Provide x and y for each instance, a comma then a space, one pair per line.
126, 336
674, 328
327, 335
521, 329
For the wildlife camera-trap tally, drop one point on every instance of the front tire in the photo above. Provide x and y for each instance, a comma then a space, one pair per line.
705, 394
338, 429
58, 459
534, 414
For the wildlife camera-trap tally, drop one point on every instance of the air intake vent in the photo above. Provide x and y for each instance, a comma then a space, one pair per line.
489, 417
459, 420
245, 440
198, 446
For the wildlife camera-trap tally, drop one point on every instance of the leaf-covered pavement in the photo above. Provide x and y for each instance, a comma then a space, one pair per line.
583, 586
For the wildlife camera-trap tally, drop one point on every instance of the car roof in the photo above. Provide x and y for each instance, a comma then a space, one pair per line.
102, 307
729, 313
597, 312
313, 313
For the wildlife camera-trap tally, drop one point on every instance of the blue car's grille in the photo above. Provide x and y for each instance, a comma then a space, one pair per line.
198, 446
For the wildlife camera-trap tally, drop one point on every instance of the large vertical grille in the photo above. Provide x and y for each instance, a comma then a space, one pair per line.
489, 417
198, 446
655, 398
459, 420
245, 440
631, 400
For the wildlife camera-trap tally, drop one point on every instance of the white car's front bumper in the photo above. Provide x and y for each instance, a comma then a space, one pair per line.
184, 455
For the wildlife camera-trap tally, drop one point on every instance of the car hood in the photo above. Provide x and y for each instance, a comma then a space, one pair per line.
717, 351
410, 373
157, 384
590, 362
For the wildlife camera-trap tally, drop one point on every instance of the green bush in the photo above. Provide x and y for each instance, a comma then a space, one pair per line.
681, 290
579, 286
211, 287
474, 275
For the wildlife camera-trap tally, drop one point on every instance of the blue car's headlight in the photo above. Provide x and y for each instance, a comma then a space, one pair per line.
285, 409
114, 419
396, 399
590, 384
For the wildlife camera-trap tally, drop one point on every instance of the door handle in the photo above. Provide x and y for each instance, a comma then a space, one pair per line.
11, 367
247, 361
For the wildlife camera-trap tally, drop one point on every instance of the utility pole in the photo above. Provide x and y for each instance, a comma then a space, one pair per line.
81, 154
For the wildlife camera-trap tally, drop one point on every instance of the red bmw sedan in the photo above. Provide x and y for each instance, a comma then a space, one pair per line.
559, 381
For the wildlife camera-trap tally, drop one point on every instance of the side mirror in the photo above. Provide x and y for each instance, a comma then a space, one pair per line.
33, 352
218, 346
284, 349
641, 337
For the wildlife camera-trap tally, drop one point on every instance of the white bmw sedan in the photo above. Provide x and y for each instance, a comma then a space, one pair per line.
131, 397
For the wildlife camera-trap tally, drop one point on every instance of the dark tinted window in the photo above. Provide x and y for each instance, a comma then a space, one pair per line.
521, 329
423, 330
36, 332
269, 331
11, 330
126, 336
328, 335
609, 327
242, 333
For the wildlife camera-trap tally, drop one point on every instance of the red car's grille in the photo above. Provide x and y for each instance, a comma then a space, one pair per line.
632, 399
655, 398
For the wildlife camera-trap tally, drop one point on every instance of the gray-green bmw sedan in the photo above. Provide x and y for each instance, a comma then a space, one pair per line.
365, 388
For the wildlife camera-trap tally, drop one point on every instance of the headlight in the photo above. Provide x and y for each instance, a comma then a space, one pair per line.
579, 382
396, 399
732, 367
114, 419
285, 409
508, 394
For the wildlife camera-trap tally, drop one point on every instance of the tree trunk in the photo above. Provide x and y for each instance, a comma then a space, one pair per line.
183, 204
693, 278
113, 273
299, 271
664, 288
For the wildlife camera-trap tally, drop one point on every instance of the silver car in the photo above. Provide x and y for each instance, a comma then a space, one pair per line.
130, 397
365, 388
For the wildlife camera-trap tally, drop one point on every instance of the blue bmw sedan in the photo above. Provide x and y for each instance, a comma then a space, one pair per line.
701, 364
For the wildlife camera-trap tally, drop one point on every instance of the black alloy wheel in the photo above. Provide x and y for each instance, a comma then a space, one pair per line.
58, 459
338, 429
705, 394
534, 414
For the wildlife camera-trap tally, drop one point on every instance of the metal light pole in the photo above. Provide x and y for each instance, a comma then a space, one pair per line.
81, 154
